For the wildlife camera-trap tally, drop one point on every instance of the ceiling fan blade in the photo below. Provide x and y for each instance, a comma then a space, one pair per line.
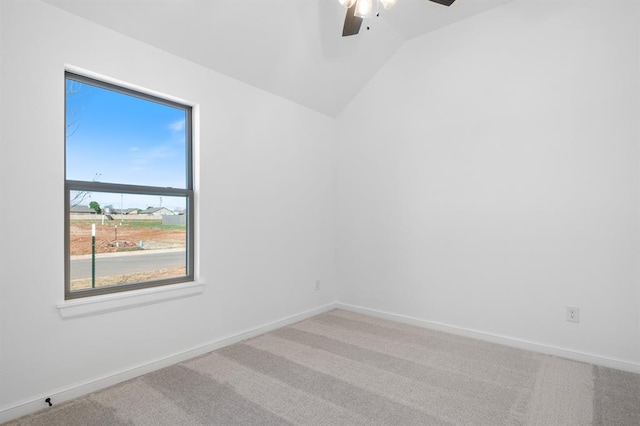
444, 2
351, 22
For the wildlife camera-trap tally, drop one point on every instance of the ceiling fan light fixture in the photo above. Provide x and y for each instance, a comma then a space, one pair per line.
358, 10
388, 4
347, 3
364, 8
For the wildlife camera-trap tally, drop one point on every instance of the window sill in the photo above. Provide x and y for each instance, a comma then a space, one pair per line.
130, 299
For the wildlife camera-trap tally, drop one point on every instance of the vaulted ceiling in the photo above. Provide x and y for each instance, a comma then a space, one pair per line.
291, 48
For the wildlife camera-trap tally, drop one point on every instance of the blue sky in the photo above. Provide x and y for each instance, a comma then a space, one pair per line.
123, 139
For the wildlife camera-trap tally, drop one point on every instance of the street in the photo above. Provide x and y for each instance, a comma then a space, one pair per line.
127, 263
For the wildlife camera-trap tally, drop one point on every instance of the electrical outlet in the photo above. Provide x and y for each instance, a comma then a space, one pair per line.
318, 285
573, 314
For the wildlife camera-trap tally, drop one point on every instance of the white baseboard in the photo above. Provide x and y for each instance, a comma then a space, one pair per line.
61, 395
37, 403
617, 364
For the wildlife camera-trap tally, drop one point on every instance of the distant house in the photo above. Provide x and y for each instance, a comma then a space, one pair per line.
157, 211
126, 211
82, 210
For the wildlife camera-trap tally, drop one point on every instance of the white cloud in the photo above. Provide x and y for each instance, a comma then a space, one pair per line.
176, 126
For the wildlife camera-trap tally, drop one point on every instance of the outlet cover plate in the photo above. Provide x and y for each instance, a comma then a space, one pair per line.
573, 314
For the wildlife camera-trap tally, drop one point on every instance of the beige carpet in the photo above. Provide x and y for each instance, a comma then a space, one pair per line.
342, 368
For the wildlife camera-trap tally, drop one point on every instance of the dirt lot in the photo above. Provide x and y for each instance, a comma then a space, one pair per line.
85, 283
125, 236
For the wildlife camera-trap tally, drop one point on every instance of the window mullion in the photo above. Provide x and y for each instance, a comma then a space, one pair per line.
77, 185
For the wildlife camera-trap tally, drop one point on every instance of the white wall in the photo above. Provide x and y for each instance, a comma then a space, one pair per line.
488, 176
265, 199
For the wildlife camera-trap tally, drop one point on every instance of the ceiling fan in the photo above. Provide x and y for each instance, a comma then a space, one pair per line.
357, 10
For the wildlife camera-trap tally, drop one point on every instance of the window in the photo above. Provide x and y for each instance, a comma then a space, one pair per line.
128, 189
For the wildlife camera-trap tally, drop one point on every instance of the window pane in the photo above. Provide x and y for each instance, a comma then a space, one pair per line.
138, 238
118, 138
